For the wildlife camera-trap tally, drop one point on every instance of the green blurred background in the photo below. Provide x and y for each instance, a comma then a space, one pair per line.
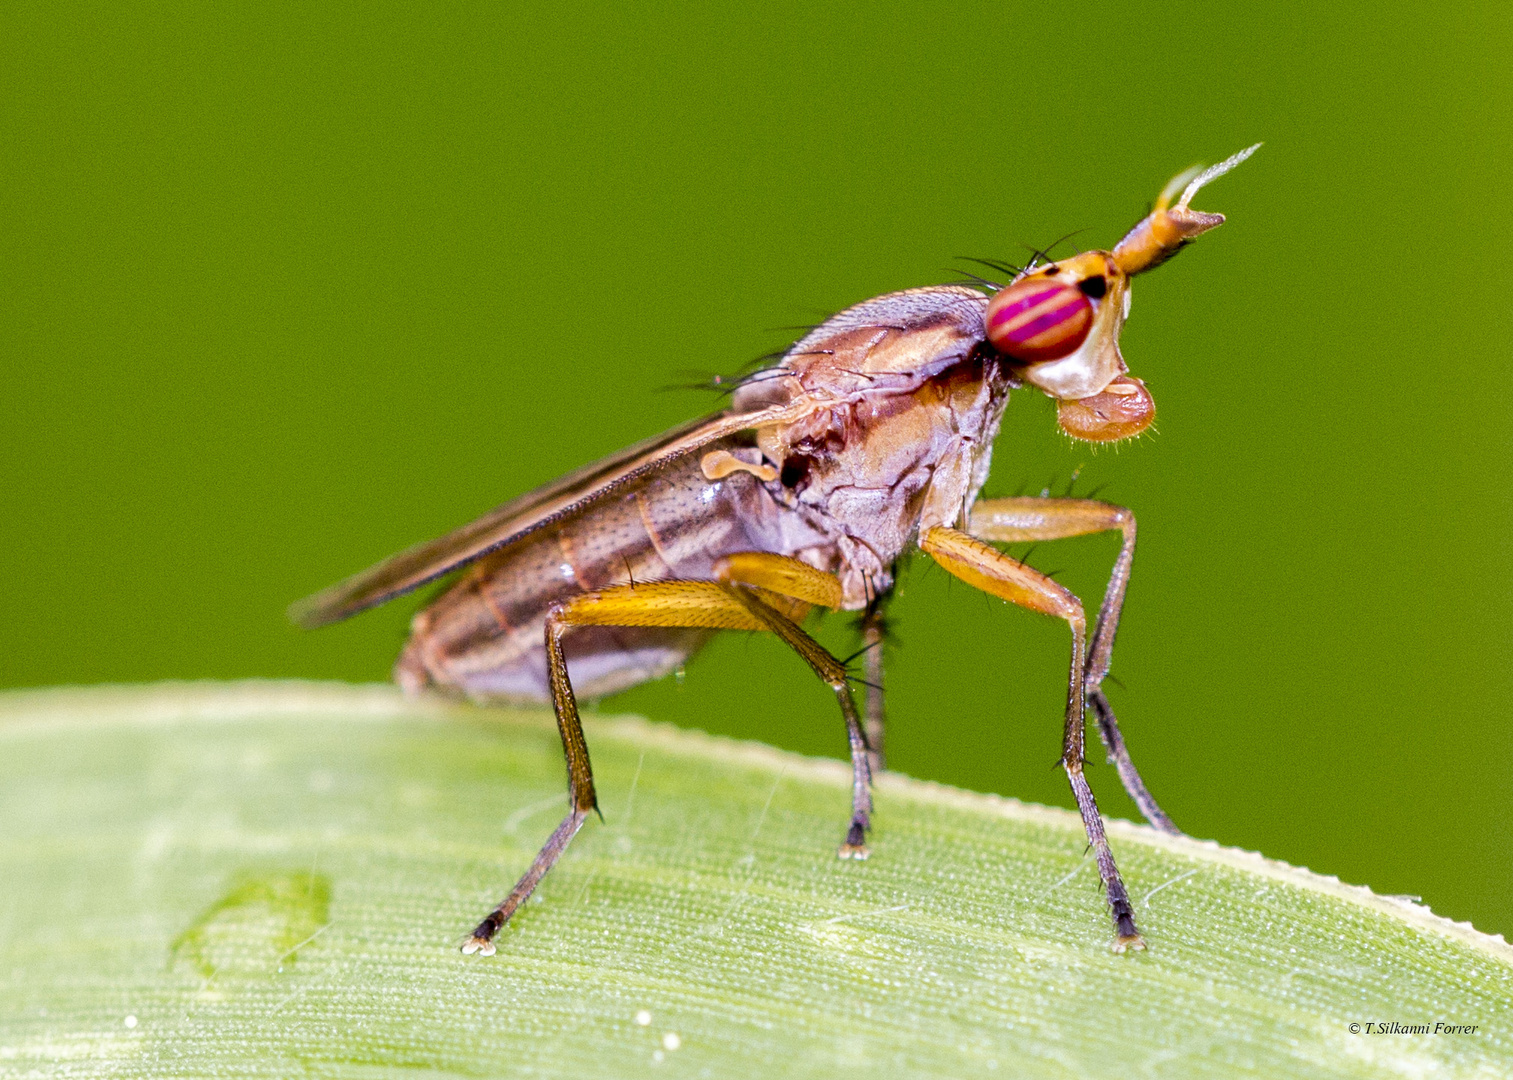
284, 288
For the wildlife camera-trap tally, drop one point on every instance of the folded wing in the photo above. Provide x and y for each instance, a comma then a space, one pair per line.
522, 516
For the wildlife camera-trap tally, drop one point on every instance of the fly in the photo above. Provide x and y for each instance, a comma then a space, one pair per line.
871, 437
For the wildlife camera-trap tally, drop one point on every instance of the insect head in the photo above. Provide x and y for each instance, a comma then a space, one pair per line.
1059, 324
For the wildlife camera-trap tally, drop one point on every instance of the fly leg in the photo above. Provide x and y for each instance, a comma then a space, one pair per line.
752, 578
753, 590
1020, 520
988, 569
734, 603
874, 629
580, 786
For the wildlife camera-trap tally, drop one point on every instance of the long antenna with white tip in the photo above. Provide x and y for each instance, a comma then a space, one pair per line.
1213, 172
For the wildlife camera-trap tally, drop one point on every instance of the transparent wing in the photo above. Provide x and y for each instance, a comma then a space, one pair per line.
522, 516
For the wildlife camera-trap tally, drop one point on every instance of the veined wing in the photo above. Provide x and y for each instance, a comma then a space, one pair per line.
522, 516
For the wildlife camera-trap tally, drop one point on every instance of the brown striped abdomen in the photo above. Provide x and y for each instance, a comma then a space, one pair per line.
483, 636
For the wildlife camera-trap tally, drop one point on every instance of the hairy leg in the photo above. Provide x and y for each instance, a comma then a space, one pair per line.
755, 591
988, 569
1030, 519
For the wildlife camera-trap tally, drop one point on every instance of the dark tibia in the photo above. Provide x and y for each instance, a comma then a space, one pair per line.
483, 937
1118, 897
1108, 728
874, 630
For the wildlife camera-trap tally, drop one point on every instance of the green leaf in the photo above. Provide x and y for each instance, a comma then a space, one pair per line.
269, 879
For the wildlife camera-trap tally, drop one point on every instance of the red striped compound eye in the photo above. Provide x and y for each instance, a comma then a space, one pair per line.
1039, 319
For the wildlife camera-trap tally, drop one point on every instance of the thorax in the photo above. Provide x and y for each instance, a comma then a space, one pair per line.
907, 402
